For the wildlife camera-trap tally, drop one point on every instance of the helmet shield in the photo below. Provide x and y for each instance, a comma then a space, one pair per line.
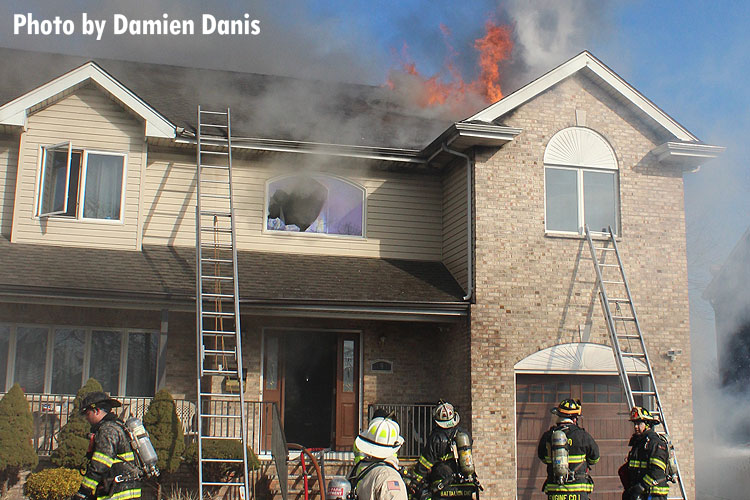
381, 439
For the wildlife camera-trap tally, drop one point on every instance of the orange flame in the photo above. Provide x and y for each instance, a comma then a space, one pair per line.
495, 46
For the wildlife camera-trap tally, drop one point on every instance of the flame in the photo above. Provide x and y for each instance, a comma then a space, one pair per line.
448, 87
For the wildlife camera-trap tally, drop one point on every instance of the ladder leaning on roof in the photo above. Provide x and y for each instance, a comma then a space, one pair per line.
626, 334
220, 409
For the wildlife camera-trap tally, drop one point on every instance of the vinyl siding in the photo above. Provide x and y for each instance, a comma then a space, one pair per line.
8, 169
403, 212
91, 120
454, 224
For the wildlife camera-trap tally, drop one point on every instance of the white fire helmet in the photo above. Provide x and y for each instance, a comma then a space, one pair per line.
445, 416
381, 439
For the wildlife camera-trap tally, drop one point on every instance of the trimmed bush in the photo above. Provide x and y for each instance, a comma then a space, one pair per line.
220, 448
52, 484
16, 433
73, 440
165, 430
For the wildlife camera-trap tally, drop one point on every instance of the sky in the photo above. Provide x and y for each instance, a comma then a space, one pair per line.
690, 57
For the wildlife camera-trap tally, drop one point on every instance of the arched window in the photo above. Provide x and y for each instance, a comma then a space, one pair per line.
581, 184
315, 203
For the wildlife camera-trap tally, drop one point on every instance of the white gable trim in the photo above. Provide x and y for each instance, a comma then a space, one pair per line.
16, 111
579, 62
578, 358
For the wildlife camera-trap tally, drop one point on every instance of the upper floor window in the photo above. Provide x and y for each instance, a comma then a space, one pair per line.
315, 204
80, 183
581, 184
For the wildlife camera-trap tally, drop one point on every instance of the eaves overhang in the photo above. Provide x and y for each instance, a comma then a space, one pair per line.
15, 112
686, 155
440, 312
463, 135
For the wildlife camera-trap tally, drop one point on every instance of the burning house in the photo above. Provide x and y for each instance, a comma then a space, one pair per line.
384, 258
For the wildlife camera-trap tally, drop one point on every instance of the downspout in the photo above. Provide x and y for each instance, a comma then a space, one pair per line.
469, 232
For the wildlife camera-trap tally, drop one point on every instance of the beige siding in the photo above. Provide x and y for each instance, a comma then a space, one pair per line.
89, 119
403, 212
454, 224
8, 170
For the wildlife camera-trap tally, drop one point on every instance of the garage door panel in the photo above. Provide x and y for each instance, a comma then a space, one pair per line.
605, 420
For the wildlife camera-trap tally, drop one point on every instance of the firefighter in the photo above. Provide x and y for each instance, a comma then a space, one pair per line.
446, 466
376, 476
569, 452
111, 472
647, 461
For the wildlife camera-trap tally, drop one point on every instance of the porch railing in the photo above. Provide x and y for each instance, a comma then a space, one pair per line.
415, 421
51, 413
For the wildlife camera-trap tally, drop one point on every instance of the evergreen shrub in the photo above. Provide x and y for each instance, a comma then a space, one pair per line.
165, 430
52, 484
16, 434
73, 440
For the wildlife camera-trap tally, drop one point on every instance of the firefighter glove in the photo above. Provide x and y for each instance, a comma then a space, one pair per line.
634, 492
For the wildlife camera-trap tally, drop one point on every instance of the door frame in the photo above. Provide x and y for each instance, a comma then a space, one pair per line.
360, 359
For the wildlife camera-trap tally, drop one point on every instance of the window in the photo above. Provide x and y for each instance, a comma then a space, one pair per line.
315, 204
581, 184
82, 184
58, 360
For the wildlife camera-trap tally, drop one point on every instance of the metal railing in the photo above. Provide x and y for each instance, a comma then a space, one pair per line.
51, 413
415, 421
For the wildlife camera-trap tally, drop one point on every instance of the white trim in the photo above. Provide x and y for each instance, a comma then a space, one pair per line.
580, 358
16, 111
583, 60
84, 178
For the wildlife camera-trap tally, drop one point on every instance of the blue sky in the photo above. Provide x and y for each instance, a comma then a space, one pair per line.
689, 57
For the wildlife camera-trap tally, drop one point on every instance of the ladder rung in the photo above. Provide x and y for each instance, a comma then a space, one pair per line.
624, 318
214, 415
628, 336
604, 249
633, 354
207, 229
643, 393
230, 460
219, 333
214, 153
218, 352
226, 438
220, 394
217, 314
621, 301
216, 214
613, 282
212, 245
226, 278
212, 125
216, 261
219, 372
206, 112
222, 167
211, 181
217, 196
608, 265
229, 485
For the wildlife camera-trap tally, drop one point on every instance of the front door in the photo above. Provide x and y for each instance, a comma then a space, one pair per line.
313, 377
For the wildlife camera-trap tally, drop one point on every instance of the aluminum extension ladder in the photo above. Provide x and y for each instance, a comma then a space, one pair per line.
221, 404
626, 334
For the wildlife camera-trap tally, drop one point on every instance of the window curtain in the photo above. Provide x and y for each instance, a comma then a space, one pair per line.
103, 186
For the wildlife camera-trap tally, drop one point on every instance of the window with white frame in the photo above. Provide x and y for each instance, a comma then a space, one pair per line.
316, 203
581, 183
59, 359
80, 183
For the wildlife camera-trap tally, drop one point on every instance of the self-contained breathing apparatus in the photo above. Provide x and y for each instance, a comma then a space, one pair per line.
143, 451
559, 451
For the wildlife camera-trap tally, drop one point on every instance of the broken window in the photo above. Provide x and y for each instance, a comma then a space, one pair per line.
581, 185
79, 183
315, 204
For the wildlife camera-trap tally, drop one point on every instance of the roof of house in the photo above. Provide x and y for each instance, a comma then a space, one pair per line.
166, 275
263, 106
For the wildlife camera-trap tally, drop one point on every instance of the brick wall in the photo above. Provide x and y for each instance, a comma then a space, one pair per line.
534, 291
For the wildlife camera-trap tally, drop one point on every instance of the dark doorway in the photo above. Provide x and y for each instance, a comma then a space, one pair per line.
310, 376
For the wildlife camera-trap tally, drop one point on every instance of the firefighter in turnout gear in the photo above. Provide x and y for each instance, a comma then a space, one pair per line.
446, 466
111, 472
647, 461
569, 452
376, 476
